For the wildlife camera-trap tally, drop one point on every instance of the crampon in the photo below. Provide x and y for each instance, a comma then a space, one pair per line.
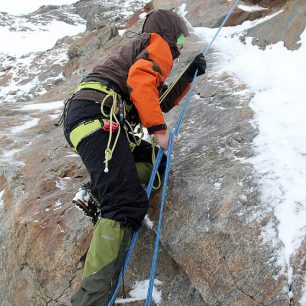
87, 200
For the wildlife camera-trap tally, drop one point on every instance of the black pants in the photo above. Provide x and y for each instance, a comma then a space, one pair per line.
122, 198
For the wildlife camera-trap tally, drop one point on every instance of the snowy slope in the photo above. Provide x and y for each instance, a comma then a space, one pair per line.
28, 51
277, 77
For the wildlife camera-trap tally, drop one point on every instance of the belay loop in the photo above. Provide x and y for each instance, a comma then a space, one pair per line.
154, 171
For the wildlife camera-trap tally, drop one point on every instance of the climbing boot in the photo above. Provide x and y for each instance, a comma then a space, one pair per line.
103, 263
88, 201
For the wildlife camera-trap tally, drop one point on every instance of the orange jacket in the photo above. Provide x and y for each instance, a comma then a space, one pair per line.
139, 69
145, 77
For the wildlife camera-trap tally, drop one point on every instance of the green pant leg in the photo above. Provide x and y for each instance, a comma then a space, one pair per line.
144, 170
103, 263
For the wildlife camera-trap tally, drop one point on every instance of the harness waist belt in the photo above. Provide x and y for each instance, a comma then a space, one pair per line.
95, 86
107, 84
83, 130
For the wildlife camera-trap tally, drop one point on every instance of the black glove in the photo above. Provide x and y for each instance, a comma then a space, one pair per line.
198, 63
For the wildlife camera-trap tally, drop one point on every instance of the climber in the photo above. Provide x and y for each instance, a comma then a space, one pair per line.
99, 122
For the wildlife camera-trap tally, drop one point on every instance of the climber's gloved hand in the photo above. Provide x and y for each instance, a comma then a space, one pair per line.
199, 63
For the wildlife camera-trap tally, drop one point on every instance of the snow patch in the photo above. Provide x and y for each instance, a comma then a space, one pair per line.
1, 201
121, 32
207, 33
22, 7
42, 38
279, 106
27, 125
251, 8
139, 292
62, 182
72, 155
181, 10
31, 65
81, 195
148, 222
8, 156
43, 106
58, 204
53, 117
217, 185
143, 15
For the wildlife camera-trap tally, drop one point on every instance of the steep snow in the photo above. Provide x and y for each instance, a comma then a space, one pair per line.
276, 78
27, 53
36, 37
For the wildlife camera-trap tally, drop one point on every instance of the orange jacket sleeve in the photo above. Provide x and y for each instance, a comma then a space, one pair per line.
145, 75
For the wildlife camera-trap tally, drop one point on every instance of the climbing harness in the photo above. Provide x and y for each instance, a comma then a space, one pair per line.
93, 85
168, 165
86, 128
110, 124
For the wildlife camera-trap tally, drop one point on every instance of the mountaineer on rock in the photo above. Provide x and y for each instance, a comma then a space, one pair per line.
99, 122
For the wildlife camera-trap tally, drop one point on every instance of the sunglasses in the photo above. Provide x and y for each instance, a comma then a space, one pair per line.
181, 40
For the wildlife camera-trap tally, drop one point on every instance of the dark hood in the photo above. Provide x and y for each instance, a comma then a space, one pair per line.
167, 24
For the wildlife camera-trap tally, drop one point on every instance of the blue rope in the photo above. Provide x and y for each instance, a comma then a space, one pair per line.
135, 234
155, 253
164, 190
170, 147
221, 26
167, 171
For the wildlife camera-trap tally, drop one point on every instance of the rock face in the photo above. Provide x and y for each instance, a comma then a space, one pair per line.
287, 26
211, 248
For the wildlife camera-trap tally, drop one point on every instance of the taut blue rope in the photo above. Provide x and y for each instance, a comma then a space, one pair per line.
135, 234
167, 171
155, 253
170, 147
